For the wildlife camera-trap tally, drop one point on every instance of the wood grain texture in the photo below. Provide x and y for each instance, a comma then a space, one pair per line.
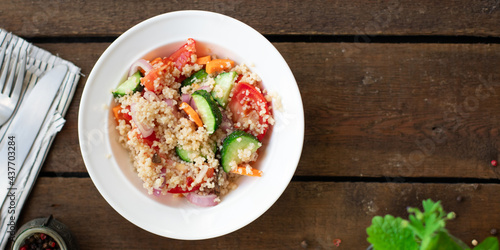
314, 212
413, 114
410, 110
391, 17
398, 109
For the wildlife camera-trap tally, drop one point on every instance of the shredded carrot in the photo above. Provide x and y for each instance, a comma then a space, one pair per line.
121, 114
219, 65
243, 171
156, 60
190, 111
117, 113
203, 60
210, 172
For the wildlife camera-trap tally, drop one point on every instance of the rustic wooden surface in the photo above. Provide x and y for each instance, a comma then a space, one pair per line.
357, 17
413, 112
400, 100
314, 212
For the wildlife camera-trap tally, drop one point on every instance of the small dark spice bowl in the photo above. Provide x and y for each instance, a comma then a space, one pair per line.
43, 233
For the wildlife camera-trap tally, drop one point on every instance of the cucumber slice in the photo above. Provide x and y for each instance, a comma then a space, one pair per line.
186, 155
208, 110
199, 75
131, 85
189, 155
223, 85
234, 142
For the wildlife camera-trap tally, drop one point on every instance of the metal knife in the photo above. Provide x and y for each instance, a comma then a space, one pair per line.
25, 126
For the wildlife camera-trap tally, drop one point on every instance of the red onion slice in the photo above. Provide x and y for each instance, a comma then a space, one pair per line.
170, 103
156, 192
186, 98
149, 95
193, 105
189, 100
226, 123
202, 200
143, 128
141, 63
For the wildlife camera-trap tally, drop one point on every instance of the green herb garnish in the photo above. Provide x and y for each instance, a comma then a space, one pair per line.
423, 230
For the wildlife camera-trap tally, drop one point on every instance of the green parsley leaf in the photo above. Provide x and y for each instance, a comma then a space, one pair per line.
443, 241
427, 224
423, 230
390, 233
490, 243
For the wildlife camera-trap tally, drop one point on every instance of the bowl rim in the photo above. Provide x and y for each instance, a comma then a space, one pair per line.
83, 109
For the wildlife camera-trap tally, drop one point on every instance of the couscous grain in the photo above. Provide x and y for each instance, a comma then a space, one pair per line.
172, 154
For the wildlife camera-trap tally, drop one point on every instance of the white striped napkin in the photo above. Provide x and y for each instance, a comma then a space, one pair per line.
39, 61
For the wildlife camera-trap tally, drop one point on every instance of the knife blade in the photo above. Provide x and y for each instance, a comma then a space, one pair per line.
26, 125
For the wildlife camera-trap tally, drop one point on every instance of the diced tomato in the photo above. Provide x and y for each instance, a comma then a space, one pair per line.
149, 79
178, 59
150, 139
183, 55
249, 105
178, 190
126, 114
180, 78
238, 79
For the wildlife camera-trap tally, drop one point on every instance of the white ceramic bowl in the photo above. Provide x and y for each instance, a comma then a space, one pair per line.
108, 163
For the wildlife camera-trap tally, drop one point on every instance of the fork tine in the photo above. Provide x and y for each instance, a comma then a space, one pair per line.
2, 54
12, 74
20, 77
4, 44
5, 67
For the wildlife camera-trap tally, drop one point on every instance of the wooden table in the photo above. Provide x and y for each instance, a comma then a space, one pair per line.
401, 104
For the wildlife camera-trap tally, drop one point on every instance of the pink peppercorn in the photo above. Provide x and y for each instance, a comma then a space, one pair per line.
337, 242
494, 163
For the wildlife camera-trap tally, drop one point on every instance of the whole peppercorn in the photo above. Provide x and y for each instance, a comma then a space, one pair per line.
303, 244
494, 163
39, 241
474, 242
156, 159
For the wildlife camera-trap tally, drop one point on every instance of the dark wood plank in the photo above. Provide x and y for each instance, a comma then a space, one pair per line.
394, 17
398, 109
409, 110
316, 213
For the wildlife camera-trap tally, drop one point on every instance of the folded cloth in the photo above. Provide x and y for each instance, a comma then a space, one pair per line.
38, 62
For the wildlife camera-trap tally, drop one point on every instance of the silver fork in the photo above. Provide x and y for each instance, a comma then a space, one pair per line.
11, 79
